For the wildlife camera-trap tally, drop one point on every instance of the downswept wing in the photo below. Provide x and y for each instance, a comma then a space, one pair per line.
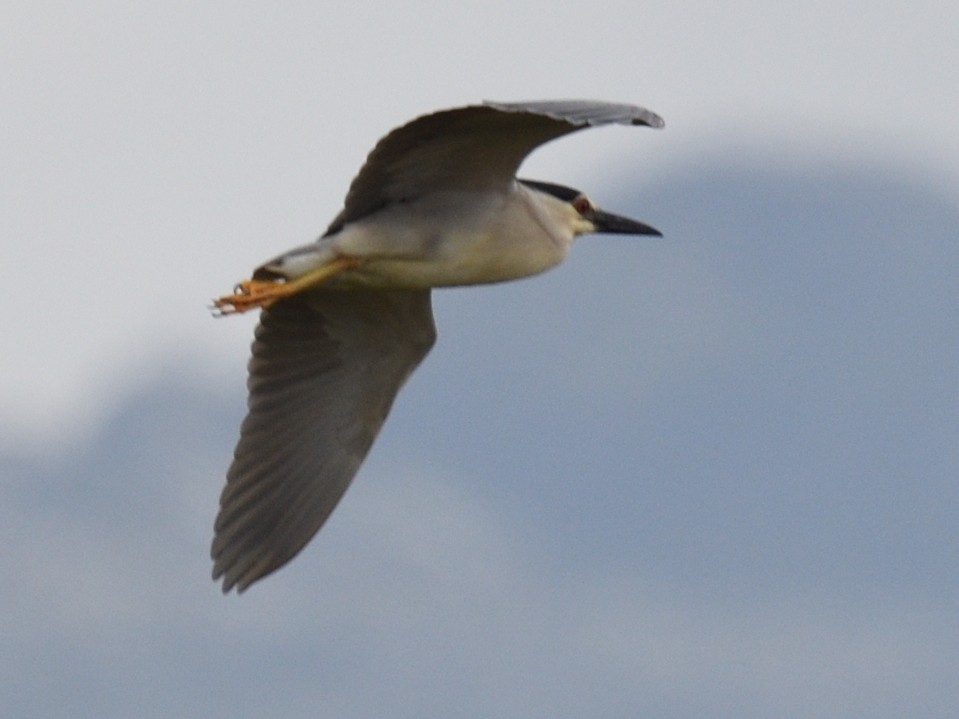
325, 370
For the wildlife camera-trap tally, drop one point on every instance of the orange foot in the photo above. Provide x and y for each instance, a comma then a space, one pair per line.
263, 293
249, 294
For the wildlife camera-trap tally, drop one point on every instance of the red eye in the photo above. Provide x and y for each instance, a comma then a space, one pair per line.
582, 205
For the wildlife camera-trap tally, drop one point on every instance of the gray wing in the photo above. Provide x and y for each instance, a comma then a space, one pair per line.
470, 148
325, 369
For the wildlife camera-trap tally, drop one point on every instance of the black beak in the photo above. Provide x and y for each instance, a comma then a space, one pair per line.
608, 224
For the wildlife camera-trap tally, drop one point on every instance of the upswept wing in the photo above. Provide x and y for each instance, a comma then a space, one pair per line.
470, 148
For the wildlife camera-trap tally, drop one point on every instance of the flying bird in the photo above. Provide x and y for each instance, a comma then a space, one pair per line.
347, 318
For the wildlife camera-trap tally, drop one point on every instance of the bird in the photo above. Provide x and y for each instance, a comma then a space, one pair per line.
345, 320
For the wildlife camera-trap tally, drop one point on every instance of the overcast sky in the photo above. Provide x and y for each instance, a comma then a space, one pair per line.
709, 475
154, 152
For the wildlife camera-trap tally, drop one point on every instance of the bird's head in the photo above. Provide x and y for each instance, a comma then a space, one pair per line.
584, 217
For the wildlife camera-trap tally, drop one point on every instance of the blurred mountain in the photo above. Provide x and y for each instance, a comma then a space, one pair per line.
713, 470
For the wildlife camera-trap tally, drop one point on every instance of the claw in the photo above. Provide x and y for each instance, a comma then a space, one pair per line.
249, 294
263, 293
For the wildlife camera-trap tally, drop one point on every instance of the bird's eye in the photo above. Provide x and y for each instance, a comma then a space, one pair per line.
582, 205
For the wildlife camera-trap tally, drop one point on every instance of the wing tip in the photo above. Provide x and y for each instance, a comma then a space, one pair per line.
650, 119
240, 574
584, 112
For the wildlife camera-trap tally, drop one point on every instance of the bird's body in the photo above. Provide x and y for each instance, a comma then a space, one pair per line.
347, 318
444, 239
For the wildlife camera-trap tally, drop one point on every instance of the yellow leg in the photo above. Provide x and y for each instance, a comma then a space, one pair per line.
263, 293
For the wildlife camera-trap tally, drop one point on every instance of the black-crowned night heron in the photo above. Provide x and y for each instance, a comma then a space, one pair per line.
347, 318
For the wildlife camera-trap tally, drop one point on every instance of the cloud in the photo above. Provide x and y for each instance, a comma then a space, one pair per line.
749, 512
419, 597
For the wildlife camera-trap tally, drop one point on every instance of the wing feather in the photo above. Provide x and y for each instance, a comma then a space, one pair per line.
471, 148
325, 369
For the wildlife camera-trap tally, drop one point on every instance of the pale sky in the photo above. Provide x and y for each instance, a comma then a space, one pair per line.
154, 153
